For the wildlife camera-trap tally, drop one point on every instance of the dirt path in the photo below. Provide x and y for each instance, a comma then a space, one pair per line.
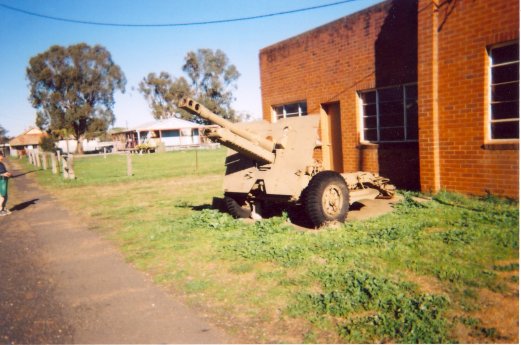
61, 283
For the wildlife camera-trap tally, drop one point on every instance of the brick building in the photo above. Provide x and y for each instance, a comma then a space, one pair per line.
424, 92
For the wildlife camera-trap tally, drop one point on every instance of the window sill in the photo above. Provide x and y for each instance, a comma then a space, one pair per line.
367, 146
500, 146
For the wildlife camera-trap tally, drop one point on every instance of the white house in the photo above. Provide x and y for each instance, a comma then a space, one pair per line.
172, 132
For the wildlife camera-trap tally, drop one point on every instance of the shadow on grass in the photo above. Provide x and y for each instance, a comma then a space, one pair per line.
24, 205
201, 207
22, 174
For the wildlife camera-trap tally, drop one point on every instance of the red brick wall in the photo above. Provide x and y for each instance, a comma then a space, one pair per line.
327, 64
462, 31
333, 62
396, 42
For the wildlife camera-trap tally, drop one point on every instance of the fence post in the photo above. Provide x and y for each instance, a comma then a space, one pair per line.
53, 164
70, 164
104, 152
129, 164
44, 160
59, 159
38, 162
65, 168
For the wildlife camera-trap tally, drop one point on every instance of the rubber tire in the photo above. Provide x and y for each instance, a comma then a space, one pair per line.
235, 209
312, 198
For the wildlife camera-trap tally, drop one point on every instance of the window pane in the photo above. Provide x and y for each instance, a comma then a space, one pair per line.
391, 120
412, 107
412, 119
291, 108
411, 92
386, 121
505, 92
279, 110
505, 53
412, 132
505, 110
505, 130
368, 97
370, 135
370, 109
303, 108
390, 94
505, 73
394, 108
392, 134
370, 122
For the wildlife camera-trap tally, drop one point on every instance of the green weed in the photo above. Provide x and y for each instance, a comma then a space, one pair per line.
354, 283
396, 311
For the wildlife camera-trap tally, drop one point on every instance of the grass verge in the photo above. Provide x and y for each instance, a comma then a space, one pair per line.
434, 272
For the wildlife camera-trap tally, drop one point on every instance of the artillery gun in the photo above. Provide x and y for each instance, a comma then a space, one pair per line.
271, 165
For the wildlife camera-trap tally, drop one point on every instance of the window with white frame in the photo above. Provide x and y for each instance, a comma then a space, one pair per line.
390, 114
291, 110
504, 91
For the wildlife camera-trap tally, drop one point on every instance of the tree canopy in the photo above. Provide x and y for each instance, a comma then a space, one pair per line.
162, 93
72, 88
3, 135
211, 81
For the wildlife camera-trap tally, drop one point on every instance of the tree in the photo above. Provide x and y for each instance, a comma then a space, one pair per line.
3, 135
73, 88
47, 143
162, 93
212, 80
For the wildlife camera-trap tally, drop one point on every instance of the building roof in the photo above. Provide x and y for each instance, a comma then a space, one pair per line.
29, 137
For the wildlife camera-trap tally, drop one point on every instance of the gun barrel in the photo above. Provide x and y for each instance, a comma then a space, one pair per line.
200, 110
241, 145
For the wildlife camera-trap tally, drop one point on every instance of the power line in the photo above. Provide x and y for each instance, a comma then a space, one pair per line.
218, 21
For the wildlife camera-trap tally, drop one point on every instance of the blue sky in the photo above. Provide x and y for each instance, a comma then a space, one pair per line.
141, 50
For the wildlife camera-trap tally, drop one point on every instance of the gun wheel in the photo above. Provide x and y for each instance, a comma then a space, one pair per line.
326, 198
233, 206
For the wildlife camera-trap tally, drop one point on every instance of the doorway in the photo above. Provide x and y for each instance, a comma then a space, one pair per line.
332, 136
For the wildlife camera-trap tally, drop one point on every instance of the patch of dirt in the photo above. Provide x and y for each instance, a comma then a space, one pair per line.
500, 312
497, 320
426, 284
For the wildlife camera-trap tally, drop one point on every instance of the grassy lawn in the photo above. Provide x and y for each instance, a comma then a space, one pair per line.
435, 272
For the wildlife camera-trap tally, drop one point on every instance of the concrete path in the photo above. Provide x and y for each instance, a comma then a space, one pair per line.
61, 283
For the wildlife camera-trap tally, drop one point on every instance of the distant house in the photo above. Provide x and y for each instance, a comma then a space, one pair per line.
28, 140
172, 132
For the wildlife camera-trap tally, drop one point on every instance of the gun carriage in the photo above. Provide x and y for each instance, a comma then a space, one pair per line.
271, 165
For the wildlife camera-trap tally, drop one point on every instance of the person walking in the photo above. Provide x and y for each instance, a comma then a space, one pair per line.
4, 176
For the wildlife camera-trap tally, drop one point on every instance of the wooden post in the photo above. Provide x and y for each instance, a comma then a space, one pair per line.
129, 164
70, 164
65, 168
53, 164
38, 162
44, 160
105, 152
60, 165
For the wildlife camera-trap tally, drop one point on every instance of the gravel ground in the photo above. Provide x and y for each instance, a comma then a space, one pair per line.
61, 283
